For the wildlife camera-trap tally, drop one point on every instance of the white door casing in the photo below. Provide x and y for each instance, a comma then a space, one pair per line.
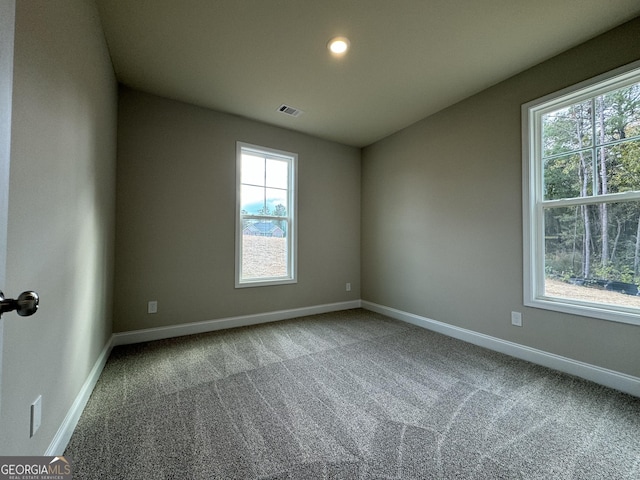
7, 35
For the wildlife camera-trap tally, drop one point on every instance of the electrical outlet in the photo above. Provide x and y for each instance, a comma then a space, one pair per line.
348, 287
516, 319
152, 307
36, 415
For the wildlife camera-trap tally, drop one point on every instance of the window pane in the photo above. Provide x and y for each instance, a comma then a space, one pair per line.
564, 240
584, 261
251, 200
568, 176
264, 249
277, 173
567, 130
618, 114
265, 235
252, 169
276, 202
622, 167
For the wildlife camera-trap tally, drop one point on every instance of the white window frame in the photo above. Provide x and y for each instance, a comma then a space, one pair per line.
532, 187
292, 231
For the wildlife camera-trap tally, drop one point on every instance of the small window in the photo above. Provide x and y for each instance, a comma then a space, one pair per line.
265, 213
581, 150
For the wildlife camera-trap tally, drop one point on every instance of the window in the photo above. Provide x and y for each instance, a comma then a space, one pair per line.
265, 216
581, 150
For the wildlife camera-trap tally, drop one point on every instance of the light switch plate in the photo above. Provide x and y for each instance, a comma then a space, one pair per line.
36, 415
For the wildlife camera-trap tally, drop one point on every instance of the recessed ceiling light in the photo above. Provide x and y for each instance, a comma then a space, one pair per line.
338, 46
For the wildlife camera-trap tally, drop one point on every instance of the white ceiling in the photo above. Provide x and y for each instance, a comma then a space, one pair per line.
408, 58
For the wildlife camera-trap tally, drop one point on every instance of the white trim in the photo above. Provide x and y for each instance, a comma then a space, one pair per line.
292, 216
68, 425
63, 435
159, 333
610, 378
608, 198
7, 42
533, 201
591, 87
603, 376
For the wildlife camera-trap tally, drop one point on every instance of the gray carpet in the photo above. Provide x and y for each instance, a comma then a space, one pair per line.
347, 395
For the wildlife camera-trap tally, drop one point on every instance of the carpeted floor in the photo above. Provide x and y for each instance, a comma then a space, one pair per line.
346, 395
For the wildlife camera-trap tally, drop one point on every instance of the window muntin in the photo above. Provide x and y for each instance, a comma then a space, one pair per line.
265, 213
581, 150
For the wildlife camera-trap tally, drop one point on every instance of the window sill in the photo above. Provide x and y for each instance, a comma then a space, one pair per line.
265, 283
574, 307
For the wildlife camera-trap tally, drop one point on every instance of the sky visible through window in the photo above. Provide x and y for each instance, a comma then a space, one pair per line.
264, 184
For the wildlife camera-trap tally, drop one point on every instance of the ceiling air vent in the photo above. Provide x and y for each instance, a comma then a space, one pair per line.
287, 110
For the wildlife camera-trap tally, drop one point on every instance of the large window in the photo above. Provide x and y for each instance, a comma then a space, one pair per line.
265, 213
581, 184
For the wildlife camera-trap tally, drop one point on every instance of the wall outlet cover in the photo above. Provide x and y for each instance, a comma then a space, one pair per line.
152, 307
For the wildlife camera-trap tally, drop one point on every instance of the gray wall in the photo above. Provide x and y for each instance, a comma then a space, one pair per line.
442, 215
176, 222
61, 214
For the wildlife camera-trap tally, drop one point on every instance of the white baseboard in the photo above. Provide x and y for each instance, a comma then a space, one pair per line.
609, 378
159, 333
63, 435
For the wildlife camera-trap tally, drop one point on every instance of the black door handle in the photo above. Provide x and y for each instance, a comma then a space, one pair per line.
26, 304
